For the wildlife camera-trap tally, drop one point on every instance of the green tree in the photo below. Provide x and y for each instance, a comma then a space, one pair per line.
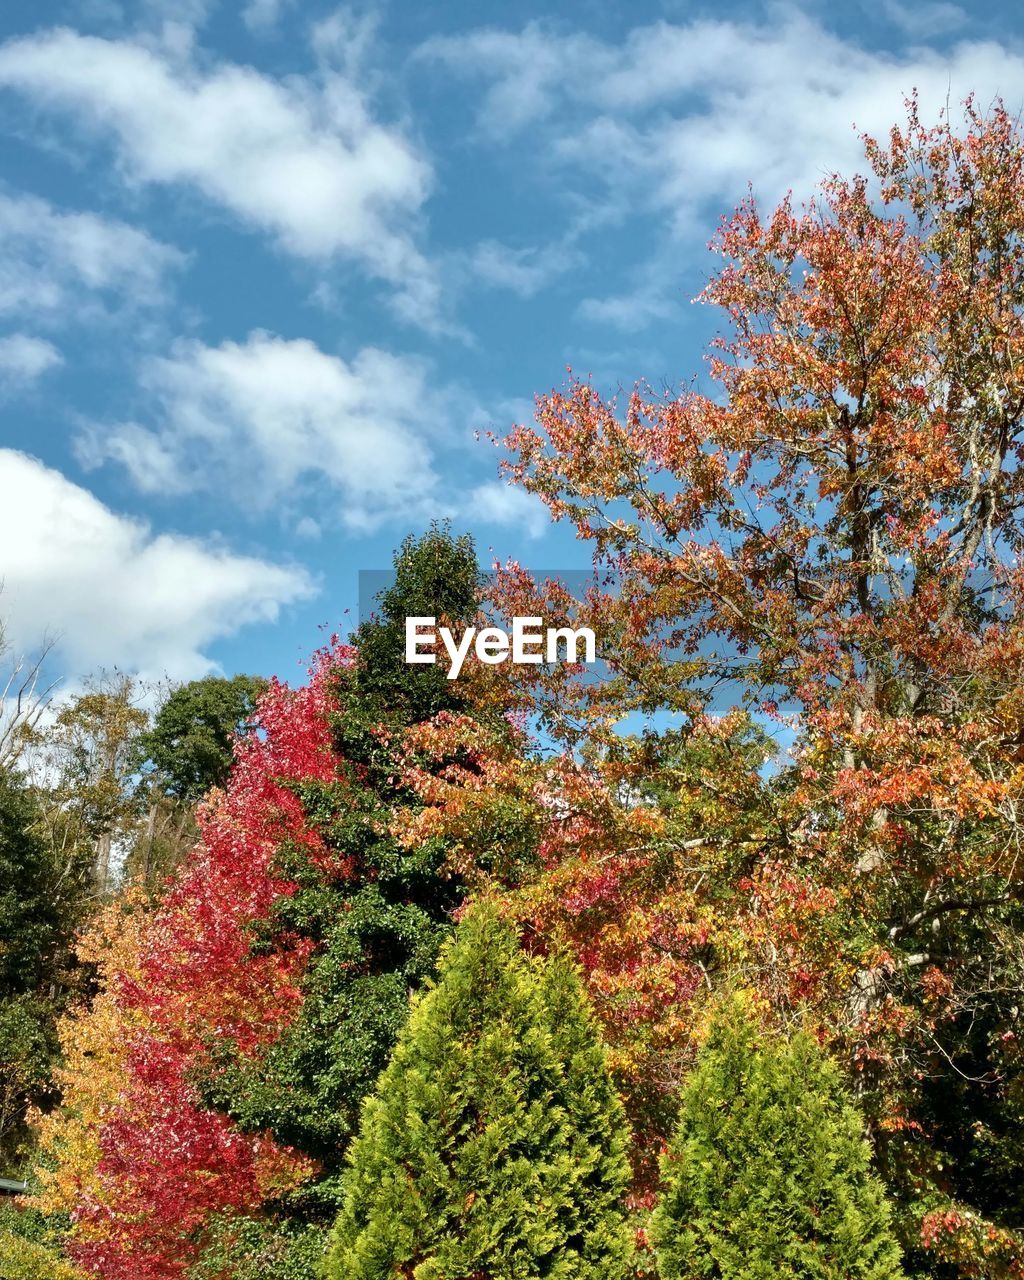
435, 575
378, 932
769, 1173
188, 749
42, 901
30, 1245
494, 1143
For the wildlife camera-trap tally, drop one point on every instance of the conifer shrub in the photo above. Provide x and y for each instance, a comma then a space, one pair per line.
769, 1174
494, 1144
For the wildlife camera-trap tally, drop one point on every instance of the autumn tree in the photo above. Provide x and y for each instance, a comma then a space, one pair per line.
494, 1142
769, 1171
376, 928
85, 764
826, 539
265, 987
137, 1159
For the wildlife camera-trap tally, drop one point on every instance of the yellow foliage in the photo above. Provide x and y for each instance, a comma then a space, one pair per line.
95, 1042
24, 1260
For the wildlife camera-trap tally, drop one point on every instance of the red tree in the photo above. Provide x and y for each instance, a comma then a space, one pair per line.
203, 977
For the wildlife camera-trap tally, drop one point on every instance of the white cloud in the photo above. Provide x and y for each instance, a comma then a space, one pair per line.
112, 591
309, 528
345, 39
61, 265
23, 358
523, 70
270, 418
915, 16
523, 271
262, 16
675, 120
628, 311
499, 503
686, 114
303, 161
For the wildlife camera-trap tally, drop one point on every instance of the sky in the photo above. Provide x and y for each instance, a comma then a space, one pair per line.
268, 270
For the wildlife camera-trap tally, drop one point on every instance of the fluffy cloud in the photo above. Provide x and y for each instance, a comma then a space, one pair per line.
111, 591
276, 425
270, 419
59, 264
677, 118
676, 104
303, 161
23, 358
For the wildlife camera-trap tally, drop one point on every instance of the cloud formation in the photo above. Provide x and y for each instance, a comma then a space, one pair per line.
269, 420
675, 120
24, 358
59, 264
262, 16
681, 106
301, 160
113, 592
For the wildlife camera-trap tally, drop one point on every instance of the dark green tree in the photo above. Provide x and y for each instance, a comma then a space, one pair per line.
42, 901
377, 933
435, 575
188, 750
494, 1144
769, 1175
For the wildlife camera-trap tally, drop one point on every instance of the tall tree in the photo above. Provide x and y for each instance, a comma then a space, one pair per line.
828, 537
377, 931
189, 748
186, 751
25, 694
43, 901
85, 761
494, 1143
769, 1172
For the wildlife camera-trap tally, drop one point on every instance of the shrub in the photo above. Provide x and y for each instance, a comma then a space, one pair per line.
769, 1173
494, 1144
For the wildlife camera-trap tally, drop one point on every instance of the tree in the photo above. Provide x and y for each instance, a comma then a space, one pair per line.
190, 745
769, 1172
30, 931
494, 1143
85, 762
41, 905
24, 697
435, 575
216, 1079
828, 538
139, 1159
375, 931
186, 751
25, 1257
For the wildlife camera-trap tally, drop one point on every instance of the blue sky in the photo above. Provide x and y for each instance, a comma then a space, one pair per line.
266, 268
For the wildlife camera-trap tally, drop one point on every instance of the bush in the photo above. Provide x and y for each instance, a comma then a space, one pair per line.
769, 1174
494, 1144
